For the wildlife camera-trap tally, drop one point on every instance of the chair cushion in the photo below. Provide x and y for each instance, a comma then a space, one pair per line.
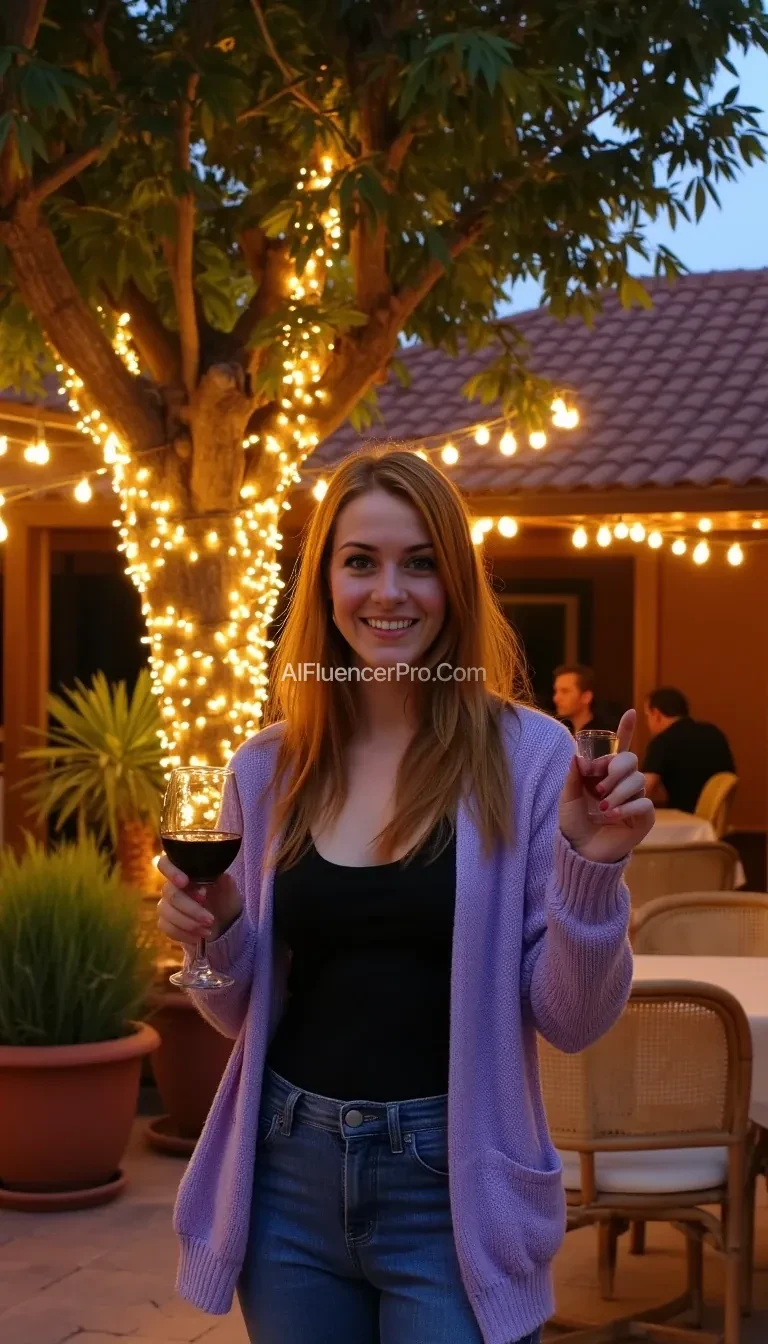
665, 1171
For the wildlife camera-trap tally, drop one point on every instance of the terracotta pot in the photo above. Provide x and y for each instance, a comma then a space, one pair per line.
65, 1119
187, 1068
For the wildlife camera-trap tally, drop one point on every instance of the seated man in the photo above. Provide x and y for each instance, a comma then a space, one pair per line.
682, 754
574, 697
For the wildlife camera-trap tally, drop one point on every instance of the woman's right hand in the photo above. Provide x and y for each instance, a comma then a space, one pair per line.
186, 912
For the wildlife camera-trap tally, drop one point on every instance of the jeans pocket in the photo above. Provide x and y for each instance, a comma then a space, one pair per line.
521, 1224
429, 1149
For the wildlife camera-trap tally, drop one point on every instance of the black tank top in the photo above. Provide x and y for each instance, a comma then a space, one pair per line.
368, 1012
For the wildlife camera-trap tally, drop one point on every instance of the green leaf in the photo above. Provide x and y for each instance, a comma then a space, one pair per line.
277, 221
437, 247
631, 291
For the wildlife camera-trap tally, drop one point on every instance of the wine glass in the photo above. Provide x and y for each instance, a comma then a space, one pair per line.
201, 827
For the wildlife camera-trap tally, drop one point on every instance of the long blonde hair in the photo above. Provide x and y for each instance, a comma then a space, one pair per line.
457, 742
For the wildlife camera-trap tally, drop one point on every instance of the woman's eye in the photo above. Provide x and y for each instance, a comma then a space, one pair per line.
424, 561
351, 561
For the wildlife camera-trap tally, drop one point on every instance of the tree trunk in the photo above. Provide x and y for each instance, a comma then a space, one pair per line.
205, 563
137, 844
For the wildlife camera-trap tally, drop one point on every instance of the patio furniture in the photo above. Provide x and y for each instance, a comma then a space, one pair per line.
668, 870
672, 827
652, 1125
704, 924
716, 800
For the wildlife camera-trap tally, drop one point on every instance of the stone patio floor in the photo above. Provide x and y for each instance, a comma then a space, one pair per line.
107, 1274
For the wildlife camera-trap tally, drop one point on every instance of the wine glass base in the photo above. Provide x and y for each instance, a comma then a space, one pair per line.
201, 977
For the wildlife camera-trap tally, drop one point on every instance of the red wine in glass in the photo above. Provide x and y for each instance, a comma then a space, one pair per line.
201, 828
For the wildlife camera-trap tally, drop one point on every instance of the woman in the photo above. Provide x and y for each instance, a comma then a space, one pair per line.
419, 887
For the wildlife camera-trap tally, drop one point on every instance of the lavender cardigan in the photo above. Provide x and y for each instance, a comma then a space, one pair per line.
540, 944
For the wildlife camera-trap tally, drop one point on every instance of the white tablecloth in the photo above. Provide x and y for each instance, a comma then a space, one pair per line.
683, 828
746, 978
680, 828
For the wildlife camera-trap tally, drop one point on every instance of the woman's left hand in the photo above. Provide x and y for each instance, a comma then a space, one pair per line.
628, 816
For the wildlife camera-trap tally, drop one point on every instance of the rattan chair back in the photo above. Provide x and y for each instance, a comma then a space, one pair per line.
704, 924
667, 870
716, 800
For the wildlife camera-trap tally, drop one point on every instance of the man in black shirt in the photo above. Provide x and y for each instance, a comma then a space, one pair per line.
574, 698
682, 754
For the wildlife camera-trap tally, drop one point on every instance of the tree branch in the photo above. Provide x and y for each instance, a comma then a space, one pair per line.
184, 252
49, 291
61, 173
23, 23
158, 348
260, 108
293, 84
95, 32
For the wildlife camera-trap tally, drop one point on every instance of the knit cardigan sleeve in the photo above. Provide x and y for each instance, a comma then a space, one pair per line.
577, 964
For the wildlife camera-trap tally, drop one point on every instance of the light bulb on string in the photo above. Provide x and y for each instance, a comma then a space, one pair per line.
537, 440
580, 538
3, 530
508, 444
38, 452
449, 454
735, 554
705, 524
420, 453
3, 445
679, 546
482, 435
655, 540
621, 531
757, 524
507, 527
320, 489
604, 536
82, 491
477, 533
637, 532
701, 553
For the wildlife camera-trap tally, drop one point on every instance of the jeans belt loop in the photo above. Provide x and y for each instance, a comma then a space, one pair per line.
393, 1124
286, 1121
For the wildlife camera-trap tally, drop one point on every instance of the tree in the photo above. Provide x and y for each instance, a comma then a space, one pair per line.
253, 202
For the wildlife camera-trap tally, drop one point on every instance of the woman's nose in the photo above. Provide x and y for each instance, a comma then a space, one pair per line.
388, 586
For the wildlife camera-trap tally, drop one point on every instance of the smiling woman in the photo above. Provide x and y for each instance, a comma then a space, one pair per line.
420, 883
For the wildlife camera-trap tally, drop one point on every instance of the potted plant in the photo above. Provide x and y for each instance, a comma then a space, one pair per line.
75, 972
102, 766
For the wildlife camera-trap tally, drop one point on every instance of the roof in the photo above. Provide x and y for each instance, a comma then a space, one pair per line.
675, 395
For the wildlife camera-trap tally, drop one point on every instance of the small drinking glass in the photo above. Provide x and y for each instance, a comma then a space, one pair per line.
201, 827
593, 744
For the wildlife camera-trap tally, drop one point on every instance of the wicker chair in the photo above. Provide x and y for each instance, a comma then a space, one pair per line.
716, 800
668, 870
704, 924
652, 1124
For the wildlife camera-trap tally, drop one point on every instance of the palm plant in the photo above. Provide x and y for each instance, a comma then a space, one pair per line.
102, 766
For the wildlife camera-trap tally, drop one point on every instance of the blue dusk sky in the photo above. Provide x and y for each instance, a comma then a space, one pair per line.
726, 239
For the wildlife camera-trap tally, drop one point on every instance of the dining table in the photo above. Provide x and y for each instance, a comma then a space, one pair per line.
672, 827
746, 978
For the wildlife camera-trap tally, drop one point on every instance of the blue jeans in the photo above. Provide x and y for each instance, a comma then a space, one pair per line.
351, 1237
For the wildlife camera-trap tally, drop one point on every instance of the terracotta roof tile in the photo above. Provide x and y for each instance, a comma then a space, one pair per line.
674, 395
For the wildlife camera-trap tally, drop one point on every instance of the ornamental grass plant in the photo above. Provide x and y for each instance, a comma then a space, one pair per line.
75, 964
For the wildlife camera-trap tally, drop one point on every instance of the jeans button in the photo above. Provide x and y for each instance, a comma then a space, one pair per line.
354, 1118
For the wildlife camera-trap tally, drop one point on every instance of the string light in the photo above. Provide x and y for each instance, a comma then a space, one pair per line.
537, 440
580, 538
82, 491
701, 553
679, 547
621, 531
735, 554
508, 444
319, 489
705, 524
450, 455
38, 452
3, 445
637, 532
604, 536
655, 540
507, 527
482, 435
757, 524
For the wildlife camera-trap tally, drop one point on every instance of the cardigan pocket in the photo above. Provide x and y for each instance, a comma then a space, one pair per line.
521, 1213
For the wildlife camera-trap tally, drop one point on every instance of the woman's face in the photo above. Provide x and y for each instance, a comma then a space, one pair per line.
388, 600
